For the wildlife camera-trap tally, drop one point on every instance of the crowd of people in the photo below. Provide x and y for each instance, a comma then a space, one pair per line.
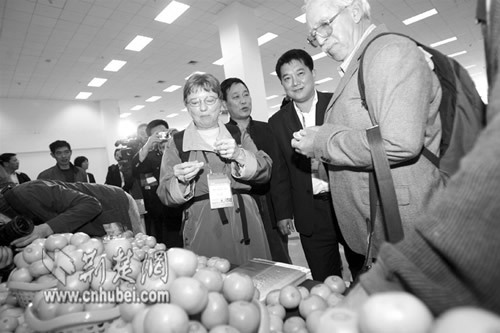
238, 189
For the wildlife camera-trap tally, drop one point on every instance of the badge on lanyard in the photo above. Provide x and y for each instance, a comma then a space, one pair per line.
219, 190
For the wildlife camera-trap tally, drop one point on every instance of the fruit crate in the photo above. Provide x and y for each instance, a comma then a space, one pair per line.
25, 291
78, 322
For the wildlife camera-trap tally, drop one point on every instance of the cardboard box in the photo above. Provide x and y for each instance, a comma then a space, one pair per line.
269, 275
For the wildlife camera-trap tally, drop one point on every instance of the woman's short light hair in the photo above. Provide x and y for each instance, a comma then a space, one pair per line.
365, 6
202, 81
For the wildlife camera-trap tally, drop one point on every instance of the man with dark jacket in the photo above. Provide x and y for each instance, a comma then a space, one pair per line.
10, 164
161, 221
238, 102
64, 170
303, 186
58, 207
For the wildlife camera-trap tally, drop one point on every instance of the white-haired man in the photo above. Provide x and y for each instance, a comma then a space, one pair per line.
404, 95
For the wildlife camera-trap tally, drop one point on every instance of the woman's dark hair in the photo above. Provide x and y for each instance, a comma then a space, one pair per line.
79, 161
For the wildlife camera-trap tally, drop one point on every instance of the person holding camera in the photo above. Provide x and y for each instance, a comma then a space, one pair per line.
120, 174
161, 221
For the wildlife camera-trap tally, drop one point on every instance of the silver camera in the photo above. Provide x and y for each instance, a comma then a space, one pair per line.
164, 136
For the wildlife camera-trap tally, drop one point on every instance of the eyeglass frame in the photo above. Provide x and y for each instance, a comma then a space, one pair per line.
188, 103
311, 38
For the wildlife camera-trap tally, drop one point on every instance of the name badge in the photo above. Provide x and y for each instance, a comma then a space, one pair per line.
219, 191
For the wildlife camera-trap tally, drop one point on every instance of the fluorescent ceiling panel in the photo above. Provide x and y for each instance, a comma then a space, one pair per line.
326, 79
420, 17
274, 73
97, 82
319, 56
276, 106
172, 88
470, 66
125, 115
268, 36
138, 43
172, 115
114, 65
456, 54
444, 41
137, 107
184, 110
219, 62
83, 95
271, 97
171, 12
301, 18
153, 99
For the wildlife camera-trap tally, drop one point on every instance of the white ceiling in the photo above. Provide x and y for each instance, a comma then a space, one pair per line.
51, 49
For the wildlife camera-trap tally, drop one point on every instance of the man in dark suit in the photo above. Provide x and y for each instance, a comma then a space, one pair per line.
238, 102
302, 186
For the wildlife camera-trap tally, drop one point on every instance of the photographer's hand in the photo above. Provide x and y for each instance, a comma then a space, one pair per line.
40, 231
153, 140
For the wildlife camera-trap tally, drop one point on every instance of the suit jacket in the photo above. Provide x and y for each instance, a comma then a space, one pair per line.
114, 178
405, 95
262, 136
292, 190
91, 177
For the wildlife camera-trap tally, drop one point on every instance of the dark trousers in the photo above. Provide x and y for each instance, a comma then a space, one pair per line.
322, 247
278, 243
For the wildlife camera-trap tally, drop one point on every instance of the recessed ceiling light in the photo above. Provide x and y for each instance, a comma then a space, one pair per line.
171, 12
172, 88
326, 79
125, 115
153, 98
268, 36
137, 107
456, 54
114, 65
319, 56
97, 82
138, 43
420, 17
444, 41
83, 95
172, 115
301, 18
219, 62
271, 97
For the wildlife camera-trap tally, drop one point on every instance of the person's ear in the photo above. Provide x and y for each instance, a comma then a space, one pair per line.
52, 154
356, 11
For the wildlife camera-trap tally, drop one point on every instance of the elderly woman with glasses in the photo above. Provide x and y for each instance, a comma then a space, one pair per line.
209, 168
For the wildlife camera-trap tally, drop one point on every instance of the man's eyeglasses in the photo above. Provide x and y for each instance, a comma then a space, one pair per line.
196, 102
324, 30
